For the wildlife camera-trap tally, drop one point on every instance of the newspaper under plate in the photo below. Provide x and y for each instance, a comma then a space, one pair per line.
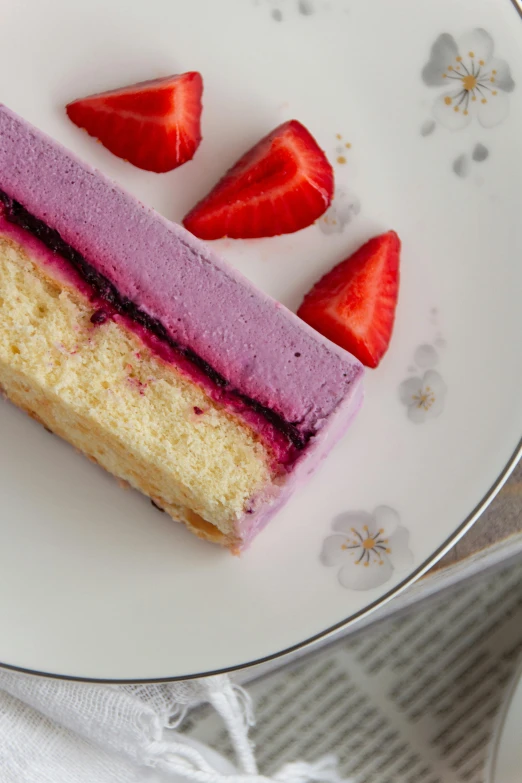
412, 700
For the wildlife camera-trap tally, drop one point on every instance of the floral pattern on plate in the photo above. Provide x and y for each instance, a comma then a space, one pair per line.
303, 7
424, 397
343, 209
367, 548
424, 394
477, 82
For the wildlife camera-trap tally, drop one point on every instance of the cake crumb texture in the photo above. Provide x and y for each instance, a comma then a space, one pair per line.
101, 388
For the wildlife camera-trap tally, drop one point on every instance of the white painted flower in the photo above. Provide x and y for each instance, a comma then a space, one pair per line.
343, 209
424, 397
367, 548
477, 82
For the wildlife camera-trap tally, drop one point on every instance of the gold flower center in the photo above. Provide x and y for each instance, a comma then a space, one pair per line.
368, 543
469, 82
424, 399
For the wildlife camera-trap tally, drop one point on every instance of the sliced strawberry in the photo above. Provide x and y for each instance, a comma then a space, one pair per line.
155, 125
354, 304
281, 185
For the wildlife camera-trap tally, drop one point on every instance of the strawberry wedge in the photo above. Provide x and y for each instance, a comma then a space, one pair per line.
281, 185
354, 303
155, 125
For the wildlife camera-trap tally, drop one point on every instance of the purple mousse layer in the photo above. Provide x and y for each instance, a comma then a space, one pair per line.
284, 453
259, 349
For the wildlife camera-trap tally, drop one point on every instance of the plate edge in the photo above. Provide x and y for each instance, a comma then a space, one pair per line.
490, 767
410, 579
397, 590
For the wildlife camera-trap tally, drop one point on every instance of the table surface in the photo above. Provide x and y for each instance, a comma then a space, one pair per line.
501, 521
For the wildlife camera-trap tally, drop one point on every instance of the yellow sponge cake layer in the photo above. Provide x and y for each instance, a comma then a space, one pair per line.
103, 390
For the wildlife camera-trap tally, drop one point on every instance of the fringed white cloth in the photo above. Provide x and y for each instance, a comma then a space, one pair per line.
55, 731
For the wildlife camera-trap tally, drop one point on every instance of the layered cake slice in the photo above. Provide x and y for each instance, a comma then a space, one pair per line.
131, 339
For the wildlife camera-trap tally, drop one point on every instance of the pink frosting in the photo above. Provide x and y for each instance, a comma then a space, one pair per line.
265, 508
261, 348
283, 453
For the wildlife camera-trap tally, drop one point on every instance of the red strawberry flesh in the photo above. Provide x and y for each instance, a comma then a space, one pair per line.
156, 125
354, 303
281, 185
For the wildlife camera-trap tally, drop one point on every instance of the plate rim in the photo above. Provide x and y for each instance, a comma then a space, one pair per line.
330, 631
460, 531
490, 768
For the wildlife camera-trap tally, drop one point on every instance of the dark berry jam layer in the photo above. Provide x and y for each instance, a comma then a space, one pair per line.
15, 213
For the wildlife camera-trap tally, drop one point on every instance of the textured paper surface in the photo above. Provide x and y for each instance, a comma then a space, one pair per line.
413, 700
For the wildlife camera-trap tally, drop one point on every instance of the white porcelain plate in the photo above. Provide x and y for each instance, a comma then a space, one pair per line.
419, 107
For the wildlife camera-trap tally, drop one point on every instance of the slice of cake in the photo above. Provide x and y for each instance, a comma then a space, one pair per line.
131, 339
